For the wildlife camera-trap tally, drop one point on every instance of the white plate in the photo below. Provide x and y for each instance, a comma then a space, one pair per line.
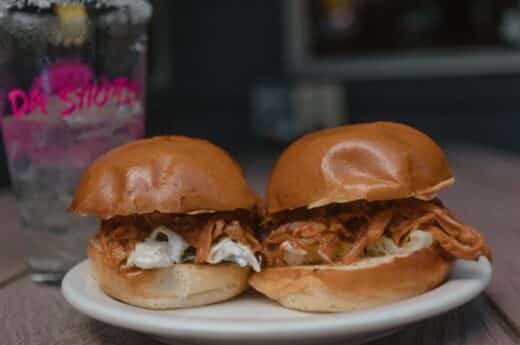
253, 319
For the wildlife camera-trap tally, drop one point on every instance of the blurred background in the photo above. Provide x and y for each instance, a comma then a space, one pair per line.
252, 78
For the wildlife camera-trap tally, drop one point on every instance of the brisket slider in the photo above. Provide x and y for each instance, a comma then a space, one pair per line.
177, 220
353, 220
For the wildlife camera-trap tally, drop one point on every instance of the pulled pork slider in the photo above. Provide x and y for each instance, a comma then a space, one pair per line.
353, 220
177, 222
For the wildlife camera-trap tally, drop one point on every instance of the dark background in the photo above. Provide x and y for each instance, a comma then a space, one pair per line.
219, 50
206, 56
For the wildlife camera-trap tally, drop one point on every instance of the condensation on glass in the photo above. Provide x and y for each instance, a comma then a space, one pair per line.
72, 85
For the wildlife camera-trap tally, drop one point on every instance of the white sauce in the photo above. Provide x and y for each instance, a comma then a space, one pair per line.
384, 250
158, 254
293, 256
228, 250
388, 250
418, 240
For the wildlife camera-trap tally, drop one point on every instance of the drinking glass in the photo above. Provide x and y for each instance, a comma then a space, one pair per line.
72, 84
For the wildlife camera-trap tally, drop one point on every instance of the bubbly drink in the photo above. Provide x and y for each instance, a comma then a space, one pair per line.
72, 85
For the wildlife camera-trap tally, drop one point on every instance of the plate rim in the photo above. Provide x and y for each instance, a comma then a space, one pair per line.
476, 274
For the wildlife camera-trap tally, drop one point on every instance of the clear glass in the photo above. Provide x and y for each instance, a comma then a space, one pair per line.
72, 81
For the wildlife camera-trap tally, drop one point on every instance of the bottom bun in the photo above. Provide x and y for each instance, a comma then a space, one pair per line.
178, 286
364, 284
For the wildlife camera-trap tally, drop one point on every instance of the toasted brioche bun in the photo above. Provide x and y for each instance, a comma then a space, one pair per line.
172, 174
373, 161
333, 288
178, 286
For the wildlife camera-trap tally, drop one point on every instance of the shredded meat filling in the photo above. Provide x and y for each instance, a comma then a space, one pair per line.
341, 233
118, 236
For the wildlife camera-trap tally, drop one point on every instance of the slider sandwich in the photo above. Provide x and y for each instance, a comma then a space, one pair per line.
177, 222
353, 220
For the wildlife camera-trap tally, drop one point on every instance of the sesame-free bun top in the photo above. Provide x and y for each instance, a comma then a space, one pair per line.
371, 161
171, 174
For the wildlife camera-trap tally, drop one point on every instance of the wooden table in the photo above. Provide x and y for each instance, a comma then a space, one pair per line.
486, 195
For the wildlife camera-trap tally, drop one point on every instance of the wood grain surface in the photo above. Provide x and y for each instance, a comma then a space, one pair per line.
486, 195
39, 315
12, 256
475, 323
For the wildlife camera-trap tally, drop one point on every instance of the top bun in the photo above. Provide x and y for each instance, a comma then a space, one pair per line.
173, 174
372, 161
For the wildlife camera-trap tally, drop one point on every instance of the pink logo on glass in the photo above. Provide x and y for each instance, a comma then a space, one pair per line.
73, 83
